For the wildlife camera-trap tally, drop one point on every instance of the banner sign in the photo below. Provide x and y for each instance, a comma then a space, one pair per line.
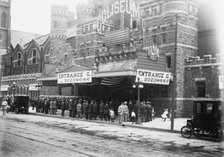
153, 77
221, 82
21, 77
75, 77
4, 87
33, 87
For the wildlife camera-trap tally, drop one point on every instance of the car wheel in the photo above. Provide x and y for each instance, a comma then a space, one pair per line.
16, 110
186, 131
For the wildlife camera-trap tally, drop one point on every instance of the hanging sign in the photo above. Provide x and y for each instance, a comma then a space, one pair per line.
33, 87
221, 82
153, 77
75, 77
4, 87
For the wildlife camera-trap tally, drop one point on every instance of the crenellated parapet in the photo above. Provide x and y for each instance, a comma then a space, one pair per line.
206, 60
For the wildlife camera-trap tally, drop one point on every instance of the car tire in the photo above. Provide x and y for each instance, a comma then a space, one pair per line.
186, 131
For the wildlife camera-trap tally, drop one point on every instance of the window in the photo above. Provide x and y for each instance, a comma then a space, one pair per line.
91, 28
168, 61
134, 24
32, 57
17, 60
154, 39
200, 88
155, 10
163, 38
55, 24
3, 20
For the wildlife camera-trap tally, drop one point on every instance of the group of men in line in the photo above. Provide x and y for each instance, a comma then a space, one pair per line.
93, 109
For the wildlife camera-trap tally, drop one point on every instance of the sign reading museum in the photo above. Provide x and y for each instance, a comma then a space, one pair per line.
153, 77
75, 77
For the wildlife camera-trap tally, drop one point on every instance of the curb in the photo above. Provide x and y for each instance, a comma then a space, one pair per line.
105, 122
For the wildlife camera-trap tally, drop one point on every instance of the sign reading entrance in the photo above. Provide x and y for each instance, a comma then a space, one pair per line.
153, 77
221, 82
75, 77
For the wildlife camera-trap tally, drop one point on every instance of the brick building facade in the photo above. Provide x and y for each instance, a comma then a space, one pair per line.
115, 47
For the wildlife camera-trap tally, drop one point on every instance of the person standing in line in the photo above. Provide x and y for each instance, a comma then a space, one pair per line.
112, 115
63, 107
125, 112
91, 109
101, 109
4, 106
84, 108
120, 114
87, 109
51, 106
79, 109
95, 109
106, 111
70, 103
153, 113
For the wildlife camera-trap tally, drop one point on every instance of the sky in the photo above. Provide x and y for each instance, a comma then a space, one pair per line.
34, 16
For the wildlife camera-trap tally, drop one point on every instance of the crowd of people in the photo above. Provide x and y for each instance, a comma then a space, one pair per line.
96, 109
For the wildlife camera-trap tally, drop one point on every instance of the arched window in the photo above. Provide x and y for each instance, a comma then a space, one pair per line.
33, 57
3, 20
18, 60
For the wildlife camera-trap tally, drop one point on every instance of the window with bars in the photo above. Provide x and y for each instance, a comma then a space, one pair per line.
32, 57
163, 38
201, 92
168, 61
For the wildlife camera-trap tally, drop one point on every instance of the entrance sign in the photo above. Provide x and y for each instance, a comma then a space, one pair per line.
221, 82
75, 77
153, 77
4, 87
33, 87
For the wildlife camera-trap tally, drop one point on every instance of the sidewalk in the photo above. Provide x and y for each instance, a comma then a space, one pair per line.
156, 124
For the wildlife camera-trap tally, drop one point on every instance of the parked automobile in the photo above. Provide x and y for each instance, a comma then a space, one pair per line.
20, 104
206, 123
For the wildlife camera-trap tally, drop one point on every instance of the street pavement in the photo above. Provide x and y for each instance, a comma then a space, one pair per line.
156, 130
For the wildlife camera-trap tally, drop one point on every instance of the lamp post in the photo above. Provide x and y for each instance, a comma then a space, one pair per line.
139, 86
13, 88
38, 89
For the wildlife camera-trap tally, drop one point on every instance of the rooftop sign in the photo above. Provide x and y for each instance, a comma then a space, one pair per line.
122, 6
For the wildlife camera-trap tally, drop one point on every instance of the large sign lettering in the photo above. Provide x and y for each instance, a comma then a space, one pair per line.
221, 82
122, 6
75, 77
153, 77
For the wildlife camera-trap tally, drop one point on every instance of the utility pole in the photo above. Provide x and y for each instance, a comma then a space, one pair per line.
174, 76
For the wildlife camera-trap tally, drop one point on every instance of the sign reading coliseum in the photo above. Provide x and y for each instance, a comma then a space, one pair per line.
122, 6
75, 77
153, 77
